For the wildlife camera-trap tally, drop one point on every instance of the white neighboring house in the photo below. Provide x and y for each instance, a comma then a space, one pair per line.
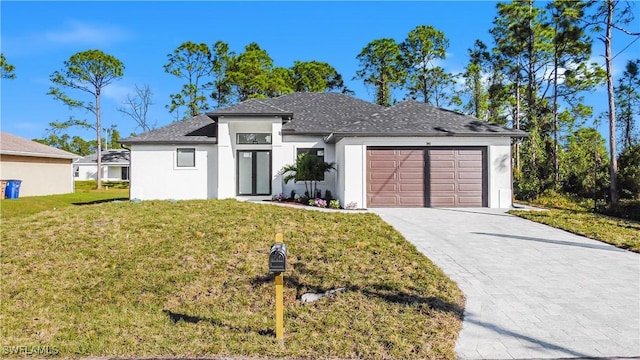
407, 155
115, 166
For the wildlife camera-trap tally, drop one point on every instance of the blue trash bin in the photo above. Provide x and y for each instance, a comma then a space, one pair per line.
13, 189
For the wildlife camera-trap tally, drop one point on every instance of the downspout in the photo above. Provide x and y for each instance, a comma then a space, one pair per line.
130, 167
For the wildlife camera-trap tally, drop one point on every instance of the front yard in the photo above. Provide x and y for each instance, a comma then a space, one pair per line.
190, 278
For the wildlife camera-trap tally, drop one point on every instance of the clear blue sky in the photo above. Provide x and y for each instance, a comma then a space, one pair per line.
37, 37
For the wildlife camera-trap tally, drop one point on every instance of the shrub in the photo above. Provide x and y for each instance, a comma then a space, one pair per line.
629, 172
352, 205
334, 204
321, 203
312, 202
328, 195
279, 197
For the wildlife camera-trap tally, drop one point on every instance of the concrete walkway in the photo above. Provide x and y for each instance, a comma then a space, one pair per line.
532, 291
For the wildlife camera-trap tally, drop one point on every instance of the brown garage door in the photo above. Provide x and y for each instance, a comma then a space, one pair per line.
395, 177
456, 177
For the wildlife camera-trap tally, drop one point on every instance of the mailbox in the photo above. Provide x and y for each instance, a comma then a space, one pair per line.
278, 258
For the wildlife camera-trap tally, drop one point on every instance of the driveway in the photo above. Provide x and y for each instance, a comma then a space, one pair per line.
532, 291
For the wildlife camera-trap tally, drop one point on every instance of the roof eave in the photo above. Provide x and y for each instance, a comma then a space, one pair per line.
335, 137
35, 154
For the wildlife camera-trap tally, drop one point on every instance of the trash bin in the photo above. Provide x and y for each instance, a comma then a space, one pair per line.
13, 189
3, 188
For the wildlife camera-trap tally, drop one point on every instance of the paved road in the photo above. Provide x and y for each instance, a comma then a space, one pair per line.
532, 291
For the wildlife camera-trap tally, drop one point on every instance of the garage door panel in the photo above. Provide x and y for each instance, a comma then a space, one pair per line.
456, 177
404, 182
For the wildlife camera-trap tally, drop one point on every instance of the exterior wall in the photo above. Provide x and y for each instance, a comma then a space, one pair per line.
155, 175
290, 150
39, 175
352, 170
109, 173
228, 128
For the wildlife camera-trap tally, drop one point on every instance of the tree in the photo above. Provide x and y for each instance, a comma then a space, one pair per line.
570, 74
381, 66
6, 69
610, 15
315, 76
221, 60
308, 168
425, 80
478, 103
627, 95
253, 75
629, 179
190, 62
76, 145
585, 164
88, 71
137, 107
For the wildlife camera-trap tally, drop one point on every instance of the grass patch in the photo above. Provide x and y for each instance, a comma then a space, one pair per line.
30, 205
90, 185
191, 279
576, 216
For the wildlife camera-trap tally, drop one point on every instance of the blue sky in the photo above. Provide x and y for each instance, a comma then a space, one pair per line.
37, 37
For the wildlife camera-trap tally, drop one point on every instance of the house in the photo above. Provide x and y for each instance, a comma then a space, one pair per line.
43, 170
115, 166
407, 155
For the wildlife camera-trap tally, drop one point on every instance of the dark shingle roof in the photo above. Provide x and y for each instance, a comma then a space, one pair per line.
416, 118
199, 129
108, 157
332, 113
251, 107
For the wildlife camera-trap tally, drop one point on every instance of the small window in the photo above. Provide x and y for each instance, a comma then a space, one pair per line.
319, 152
76, 171
124, 173
253, 138
186, 158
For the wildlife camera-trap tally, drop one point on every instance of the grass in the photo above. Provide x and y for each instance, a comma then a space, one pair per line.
191, 279
575, 216
85, 193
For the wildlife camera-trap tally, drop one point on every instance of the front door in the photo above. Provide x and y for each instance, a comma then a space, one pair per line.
254, 172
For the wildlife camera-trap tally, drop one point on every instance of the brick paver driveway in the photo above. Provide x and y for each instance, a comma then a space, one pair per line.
532, 291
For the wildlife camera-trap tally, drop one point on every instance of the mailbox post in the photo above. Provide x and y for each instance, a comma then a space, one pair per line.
278, 265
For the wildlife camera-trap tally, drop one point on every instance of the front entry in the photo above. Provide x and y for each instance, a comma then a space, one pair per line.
254, 172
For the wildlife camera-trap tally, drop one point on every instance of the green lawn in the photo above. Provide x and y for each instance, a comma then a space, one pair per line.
191, 279
85, 193
576, 217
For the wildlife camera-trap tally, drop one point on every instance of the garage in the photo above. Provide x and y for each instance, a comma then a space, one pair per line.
454, 177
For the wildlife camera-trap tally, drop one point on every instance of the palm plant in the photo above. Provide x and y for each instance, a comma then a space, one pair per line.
308, 168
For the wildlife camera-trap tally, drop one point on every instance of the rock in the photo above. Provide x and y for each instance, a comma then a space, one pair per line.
311, 297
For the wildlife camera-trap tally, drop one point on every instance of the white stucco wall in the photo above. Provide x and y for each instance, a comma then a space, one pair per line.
352, 170
156, 176
109, 173
227, 148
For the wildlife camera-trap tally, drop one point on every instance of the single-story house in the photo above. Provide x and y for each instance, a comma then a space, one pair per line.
115, 166
407, 155
43, 170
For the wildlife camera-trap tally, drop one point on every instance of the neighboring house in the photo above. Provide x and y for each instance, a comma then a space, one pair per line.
410, 154
115, 166
43, 170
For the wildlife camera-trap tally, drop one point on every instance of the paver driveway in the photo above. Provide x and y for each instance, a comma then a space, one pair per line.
532, 291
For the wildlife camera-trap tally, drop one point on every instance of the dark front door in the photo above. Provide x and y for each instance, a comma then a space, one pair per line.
254, 172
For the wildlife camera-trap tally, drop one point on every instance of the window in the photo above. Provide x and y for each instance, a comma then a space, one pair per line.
186, 158
76, 171
124, 173
253, 138
319, 152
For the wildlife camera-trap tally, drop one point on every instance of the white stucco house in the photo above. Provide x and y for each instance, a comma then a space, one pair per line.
115, 166
407, 155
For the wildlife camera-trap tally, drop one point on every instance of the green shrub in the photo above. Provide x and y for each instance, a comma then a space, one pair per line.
629, 172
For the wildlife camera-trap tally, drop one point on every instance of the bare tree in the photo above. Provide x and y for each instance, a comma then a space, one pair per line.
137, 107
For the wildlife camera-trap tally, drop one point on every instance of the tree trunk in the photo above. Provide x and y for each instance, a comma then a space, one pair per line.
556, 166
99, 139
613, 187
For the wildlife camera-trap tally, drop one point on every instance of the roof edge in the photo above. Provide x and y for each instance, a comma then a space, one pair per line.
37, 154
